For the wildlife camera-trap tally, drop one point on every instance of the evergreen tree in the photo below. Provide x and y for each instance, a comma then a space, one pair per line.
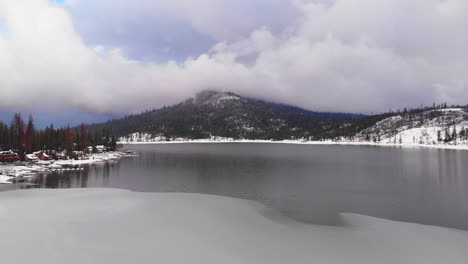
462, 133
454, 133
68, 141
83, 143
447, 136
30, 135
17, 134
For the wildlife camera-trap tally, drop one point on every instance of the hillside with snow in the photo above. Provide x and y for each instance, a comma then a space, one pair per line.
447, 126
214, 114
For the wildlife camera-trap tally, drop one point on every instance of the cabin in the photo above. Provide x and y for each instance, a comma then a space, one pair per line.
42, 155
8, 156
100, 148
62, 157
32, 158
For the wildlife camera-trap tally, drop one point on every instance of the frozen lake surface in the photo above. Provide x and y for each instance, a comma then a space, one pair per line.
109, 226
311, 183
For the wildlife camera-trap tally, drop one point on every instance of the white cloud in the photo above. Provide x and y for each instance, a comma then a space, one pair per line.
359, 56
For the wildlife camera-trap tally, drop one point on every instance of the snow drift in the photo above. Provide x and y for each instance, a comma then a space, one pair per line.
116, 226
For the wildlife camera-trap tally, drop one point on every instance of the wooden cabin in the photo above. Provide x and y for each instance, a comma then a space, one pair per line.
8, 156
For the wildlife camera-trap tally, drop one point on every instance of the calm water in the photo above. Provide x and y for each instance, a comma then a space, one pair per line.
309, 183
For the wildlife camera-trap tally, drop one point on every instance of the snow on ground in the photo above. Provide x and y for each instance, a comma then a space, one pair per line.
115, 226
442, 128
461, 146
227, 98
426, 129
450, 110
9, 172
5, 179
427, 135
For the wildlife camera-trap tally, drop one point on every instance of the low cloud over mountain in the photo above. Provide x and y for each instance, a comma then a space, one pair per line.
356, 56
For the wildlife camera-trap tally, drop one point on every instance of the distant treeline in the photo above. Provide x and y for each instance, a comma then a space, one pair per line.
23, 137
249, 119
240, 119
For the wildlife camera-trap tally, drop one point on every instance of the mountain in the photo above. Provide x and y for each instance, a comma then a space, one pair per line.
334, 115
224, 114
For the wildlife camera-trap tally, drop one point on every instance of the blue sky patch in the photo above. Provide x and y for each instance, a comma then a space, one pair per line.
3, 28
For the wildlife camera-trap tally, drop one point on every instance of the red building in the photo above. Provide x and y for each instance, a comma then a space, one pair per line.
42, 156
8, 156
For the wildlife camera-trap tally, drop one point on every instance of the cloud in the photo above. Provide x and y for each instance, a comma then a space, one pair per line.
359, 56
145, 29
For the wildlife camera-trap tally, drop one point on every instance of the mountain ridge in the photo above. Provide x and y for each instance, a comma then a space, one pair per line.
226, 114
215, 115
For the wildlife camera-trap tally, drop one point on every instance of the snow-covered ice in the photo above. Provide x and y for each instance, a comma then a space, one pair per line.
115, 226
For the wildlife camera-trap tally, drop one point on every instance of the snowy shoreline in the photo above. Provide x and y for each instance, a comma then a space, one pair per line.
297, 142
24, 171
440, 129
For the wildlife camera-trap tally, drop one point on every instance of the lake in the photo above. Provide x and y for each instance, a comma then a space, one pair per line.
311, 183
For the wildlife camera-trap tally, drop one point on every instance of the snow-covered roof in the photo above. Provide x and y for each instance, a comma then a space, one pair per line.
31, 156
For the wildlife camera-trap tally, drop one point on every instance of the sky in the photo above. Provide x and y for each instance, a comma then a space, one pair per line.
88, 60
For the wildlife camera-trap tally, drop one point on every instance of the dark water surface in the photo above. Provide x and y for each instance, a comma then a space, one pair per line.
310, 183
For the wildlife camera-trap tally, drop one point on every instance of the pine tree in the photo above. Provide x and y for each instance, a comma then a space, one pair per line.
17, 134
68, 140
29, 136
454, 133
447, 136
462, 133
113, 144
83, 137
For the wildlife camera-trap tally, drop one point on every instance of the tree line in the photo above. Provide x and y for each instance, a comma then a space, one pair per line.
255, 119
23, 137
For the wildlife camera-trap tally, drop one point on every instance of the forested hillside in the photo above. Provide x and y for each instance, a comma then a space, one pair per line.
217, 115
224, 114
429, 126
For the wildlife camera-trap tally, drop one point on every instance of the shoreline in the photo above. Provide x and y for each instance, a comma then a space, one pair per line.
297, 142
23, 171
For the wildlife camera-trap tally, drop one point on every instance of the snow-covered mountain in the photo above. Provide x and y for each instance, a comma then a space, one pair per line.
431, 126
445, 126
225, 116
214, 114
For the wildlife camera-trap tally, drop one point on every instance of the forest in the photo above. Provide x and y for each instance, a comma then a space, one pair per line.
210, 114
23, 137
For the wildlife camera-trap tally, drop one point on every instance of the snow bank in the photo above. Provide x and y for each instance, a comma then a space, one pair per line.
462, 146
115, 226
5, 179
